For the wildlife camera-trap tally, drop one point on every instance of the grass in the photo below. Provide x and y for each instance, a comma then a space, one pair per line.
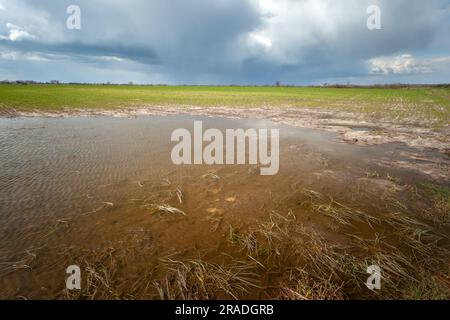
436, 190
425, 103
439, 196
197, 279
342, 214
313, 266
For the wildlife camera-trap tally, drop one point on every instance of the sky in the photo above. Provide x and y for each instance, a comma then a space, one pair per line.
242, 42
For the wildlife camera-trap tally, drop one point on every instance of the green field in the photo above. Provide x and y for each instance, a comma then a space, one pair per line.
421, 103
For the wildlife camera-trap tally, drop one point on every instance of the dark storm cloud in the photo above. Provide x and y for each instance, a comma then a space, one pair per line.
135, 52
225, 41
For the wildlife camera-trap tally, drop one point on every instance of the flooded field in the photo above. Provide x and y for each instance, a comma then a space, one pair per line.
102, 193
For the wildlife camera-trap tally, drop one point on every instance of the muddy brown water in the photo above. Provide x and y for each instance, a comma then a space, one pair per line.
73, 186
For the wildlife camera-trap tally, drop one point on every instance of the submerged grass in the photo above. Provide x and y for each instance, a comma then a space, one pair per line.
313, 266
198, 280
439, 196
340, 213
282, 255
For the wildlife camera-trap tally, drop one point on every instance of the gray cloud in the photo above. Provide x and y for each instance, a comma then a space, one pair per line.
225, 41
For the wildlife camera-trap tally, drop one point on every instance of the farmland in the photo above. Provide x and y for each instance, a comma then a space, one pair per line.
420, 103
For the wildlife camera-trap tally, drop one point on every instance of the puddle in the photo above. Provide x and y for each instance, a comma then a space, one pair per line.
102, 193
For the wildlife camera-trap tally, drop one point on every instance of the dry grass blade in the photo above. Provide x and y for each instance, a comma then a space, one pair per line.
156, 208
179, 194
211, 175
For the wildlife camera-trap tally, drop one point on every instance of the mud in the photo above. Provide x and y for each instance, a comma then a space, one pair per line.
353, 128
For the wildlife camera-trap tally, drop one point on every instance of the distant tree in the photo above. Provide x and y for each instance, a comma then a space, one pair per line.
278, 84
